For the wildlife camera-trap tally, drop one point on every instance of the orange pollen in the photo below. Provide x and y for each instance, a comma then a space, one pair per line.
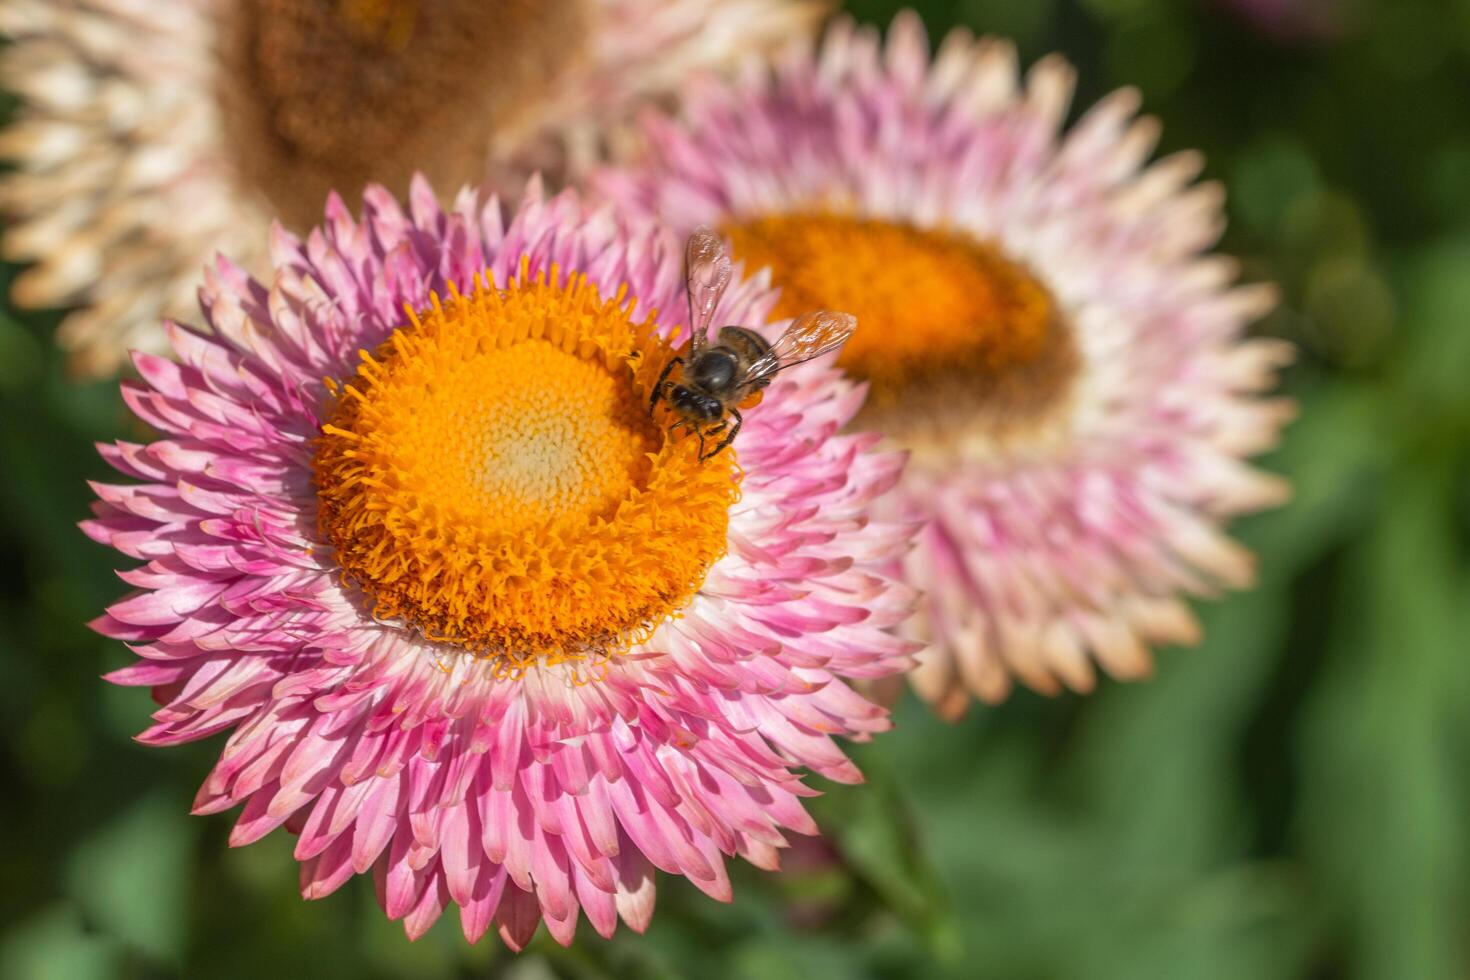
491, 478
928, 302
387, 22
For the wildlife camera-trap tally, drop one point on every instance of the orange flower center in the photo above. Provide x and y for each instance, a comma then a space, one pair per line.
952, 335
492, 478
933, 302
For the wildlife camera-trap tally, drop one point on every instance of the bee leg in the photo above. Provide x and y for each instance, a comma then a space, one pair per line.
730, 434
658, 386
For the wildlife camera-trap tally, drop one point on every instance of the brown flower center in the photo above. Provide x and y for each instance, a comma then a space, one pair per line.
958, 343
331, 94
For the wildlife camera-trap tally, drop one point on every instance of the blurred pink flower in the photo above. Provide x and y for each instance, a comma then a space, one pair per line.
1041, 322
1290, 19
474, 622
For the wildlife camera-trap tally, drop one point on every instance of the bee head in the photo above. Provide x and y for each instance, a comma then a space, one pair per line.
696, 403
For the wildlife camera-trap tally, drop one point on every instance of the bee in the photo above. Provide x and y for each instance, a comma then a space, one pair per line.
717, 380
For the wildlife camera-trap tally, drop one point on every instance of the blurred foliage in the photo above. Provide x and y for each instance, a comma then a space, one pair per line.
1289, 800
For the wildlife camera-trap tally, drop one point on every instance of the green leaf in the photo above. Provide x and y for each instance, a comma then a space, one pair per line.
131, 878
1433, 390
1384, 804
54, 946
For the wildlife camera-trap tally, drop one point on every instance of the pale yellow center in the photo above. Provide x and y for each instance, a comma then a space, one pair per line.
524, 434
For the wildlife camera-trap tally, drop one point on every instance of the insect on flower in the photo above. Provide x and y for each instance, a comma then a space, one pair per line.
716, 381
508, 648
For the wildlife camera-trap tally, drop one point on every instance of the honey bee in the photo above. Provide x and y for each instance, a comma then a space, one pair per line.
717, 380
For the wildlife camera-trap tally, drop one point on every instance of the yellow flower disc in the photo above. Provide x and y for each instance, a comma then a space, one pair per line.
961, 346
492, 477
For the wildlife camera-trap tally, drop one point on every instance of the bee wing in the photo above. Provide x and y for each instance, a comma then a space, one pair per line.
706, 274
810, 335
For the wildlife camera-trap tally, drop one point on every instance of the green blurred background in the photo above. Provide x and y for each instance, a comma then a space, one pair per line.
1288, 800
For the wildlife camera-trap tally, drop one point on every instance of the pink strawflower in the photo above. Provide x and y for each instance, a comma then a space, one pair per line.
1041, 323
633, 651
